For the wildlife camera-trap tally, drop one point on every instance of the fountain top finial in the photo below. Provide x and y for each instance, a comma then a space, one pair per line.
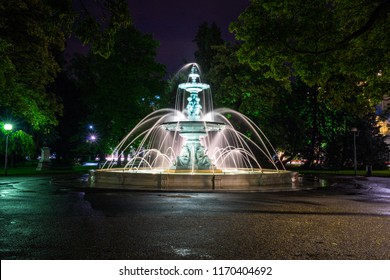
194, 69
194, 76
194, 85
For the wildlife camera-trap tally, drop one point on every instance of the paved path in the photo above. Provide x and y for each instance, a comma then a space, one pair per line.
52, 218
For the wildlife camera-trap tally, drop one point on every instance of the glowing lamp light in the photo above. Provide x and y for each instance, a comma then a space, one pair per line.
8, 126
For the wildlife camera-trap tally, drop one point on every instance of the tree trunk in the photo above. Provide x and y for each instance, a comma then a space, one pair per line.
314, 130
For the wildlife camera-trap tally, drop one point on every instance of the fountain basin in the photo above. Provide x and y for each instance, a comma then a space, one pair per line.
164, 180
194, 87
193, 127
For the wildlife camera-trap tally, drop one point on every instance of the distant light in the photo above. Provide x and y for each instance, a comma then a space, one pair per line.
8, 126
91, 164
91, 127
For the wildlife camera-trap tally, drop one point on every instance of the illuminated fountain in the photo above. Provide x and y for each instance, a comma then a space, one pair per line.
193, 156
193, 147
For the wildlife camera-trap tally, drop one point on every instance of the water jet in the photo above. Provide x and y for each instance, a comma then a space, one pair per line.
194, 147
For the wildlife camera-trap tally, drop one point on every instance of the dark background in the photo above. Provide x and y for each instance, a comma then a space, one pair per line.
174, 24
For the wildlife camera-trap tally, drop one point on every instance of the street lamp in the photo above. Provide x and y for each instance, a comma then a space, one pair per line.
354, 131
7, 128
91, 140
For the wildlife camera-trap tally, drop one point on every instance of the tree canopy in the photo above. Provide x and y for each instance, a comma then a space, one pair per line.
205, 38
97, 23
339, 47
33, 35
306, 72
121, 90
30, 33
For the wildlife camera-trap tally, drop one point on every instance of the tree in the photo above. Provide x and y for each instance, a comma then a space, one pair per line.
207, 37
121, 90
73, 113
97, 23
32, 37
264, 100
29, 36
32, 33
333, 55
295, 121
371, 148
20, 144
338, 47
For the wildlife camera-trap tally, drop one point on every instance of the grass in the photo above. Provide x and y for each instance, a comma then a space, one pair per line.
344, 172
30, 170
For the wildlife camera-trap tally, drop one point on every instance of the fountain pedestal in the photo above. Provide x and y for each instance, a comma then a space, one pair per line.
193, 154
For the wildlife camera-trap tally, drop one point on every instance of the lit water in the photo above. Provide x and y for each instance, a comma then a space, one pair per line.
195, 136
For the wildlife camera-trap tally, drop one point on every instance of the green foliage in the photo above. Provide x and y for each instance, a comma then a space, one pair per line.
236, 86
371, 148
100, 28
33, 30
29, 33
340, 46
207, 37
33, 34
20, 143
119, 91
296, 121
6, 66
265, 101
334, 58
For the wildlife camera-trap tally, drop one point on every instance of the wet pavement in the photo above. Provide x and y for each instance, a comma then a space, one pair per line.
52, 217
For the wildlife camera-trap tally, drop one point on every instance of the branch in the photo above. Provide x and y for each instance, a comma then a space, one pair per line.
380, 12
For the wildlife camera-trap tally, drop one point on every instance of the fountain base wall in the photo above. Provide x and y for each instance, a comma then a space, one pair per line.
164, 181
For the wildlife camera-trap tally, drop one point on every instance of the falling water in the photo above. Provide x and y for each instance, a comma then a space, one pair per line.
194, 137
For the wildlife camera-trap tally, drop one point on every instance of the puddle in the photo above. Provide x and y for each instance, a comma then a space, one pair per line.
185, 253
182, 252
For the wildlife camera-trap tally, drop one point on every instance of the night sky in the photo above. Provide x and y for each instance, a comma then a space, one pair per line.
174, 24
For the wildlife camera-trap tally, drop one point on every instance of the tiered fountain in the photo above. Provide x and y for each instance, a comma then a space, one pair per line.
193, 147
193, 155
